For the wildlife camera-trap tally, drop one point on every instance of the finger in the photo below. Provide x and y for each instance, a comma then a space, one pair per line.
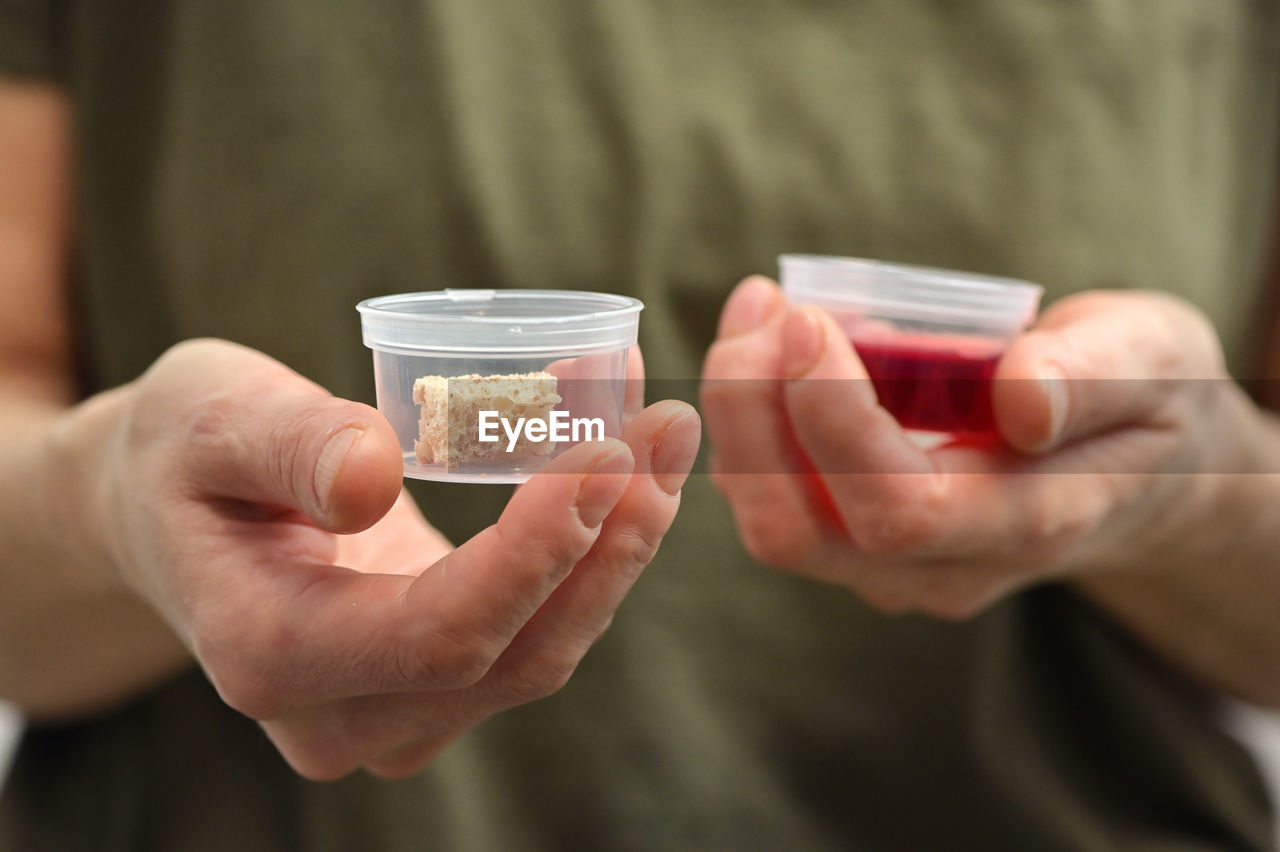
393, 735
634, 396
589, 387
751, 304
757, 459
998, 515
1002, 511
257, 431
881, 484
1098, 361
470, 604
664, 440
741, 391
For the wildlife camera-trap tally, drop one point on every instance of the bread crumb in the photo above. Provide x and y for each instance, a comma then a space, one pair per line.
448, 432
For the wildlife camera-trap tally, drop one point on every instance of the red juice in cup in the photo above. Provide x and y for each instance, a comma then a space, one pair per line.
930, 339
932, 386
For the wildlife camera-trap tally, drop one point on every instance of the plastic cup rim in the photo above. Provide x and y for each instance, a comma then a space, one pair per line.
383, 307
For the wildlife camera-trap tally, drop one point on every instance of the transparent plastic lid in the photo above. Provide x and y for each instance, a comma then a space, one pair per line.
499, 322
911, 293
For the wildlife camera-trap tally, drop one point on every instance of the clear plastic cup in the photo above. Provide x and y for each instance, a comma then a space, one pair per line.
489, 385
929, 338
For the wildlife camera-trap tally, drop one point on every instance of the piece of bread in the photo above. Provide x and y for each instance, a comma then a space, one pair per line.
448, 433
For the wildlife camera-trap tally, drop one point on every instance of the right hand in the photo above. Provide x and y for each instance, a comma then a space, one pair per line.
264, 520
1116, 414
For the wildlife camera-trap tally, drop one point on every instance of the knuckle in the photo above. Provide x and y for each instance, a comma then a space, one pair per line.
207, 430
195, 348
737, 369
910, 516
712, 367
774, 538
168, 380
179, 357
894, 534
289, 461
559, 552
321, 744
1048, 551
294, 439
441, 661
246, 672
157, 416
1188, 335
540, 675
245, 692
637, 545
547, 552
721, 362
1055, 527
209, 420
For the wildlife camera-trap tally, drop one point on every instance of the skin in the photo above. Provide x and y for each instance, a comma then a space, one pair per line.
1154, 495
223, 510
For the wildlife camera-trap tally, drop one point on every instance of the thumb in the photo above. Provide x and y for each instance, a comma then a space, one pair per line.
260, 433
1099, 361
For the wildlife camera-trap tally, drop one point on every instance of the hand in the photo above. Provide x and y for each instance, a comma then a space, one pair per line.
1109, 409
264, 519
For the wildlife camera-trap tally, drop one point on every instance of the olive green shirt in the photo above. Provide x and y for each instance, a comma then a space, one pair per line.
250, 169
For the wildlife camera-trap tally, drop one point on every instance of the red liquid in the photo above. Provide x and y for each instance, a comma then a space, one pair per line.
938, 388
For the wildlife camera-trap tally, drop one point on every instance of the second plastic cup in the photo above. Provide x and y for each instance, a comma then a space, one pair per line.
929, 338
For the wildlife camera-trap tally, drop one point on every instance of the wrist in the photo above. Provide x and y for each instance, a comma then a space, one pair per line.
1199, 590
1209, 503
77, 488
75, 637
1232, 501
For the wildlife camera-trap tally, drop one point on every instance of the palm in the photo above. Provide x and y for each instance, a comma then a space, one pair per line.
402, 542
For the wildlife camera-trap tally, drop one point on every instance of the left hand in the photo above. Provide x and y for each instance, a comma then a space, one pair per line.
1109, 410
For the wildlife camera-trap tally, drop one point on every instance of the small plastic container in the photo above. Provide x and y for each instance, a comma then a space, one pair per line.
489, 385
929, 338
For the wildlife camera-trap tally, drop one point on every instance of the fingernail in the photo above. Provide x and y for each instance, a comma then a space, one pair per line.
1054, 384
592, 501
330, 462
802, 341
753, 302
675, 451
